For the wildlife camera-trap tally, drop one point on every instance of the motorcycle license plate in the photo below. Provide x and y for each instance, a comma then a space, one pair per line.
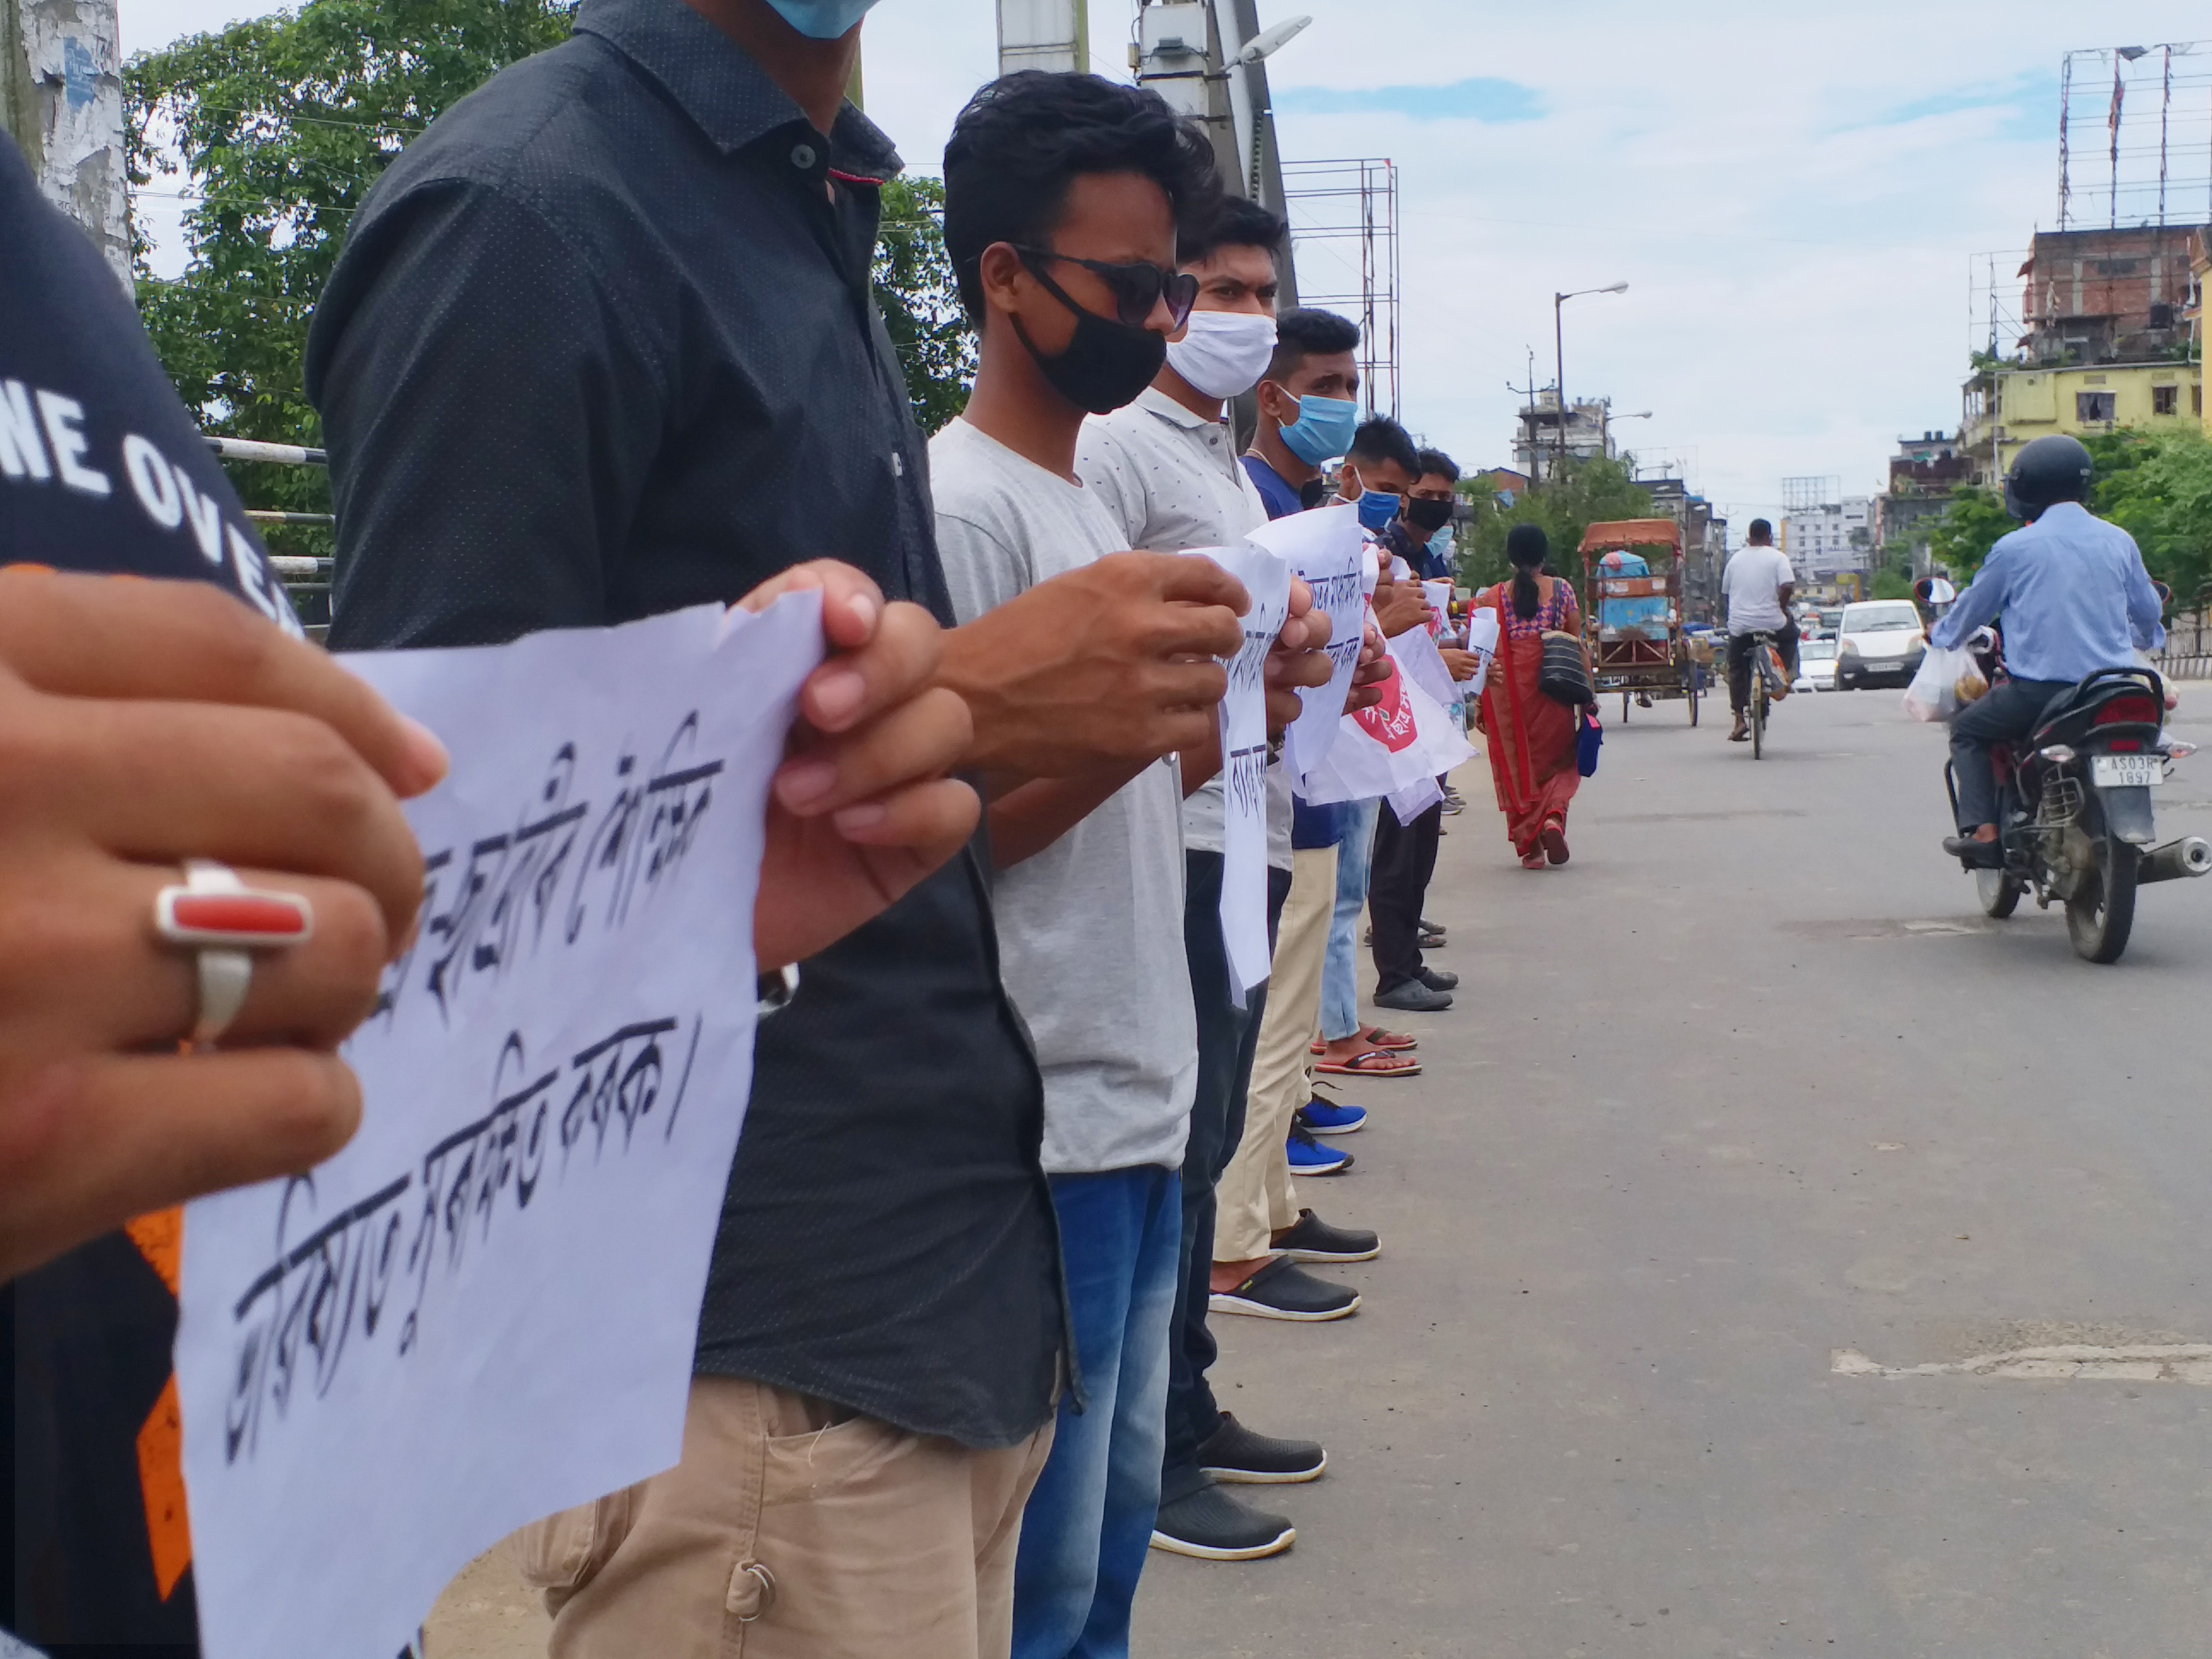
2126, 771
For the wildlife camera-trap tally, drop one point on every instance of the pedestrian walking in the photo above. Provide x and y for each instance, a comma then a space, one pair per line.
1532, 737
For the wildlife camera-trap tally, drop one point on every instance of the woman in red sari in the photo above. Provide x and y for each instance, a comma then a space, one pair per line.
1532, 739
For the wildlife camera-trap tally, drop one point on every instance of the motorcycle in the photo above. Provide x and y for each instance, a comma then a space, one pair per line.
2075, 819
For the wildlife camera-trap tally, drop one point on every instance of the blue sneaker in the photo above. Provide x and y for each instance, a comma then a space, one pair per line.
1310, 1157
1325, 1117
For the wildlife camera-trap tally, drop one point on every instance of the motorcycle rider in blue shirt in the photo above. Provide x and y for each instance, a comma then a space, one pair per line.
2074, 597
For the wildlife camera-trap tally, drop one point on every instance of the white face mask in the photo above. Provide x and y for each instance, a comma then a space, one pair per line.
1225, 352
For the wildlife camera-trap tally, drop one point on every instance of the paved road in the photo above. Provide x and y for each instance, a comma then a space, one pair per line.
1749, 1083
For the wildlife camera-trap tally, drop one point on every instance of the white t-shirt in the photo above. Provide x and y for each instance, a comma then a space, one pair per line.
1171, 480
1090, 941
1751, 583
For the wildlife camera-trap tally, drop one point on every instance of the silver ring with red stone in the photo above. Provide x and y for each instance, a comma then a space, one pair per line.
223, 922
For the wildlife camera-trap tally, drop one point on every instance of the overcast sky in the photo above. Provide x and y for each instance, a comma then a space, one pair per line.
1793, 194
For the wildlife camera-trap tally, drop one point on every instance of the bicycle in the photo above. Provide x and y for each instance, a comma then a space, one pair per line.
1763, 670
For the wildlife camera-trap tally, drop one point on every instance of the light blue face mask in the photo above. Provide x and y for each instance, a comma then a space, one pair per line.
822, 20
1323, 430
1376, 508
1440, 544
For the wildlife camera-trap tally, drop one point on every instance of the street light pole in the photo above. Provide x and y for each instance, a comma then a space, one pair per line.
1559, 345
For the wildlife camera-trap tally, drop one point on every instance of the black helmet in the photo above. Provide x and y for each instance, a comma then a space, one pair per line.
2049, 471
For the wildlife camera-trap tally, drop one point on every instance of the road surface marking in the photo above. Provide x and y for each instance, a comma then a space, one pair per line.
2140, 1362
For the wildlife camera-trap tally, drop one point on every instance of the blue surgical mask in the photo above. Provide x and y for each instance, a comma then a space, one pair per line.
1376, 508
1440, 544
822, 20
1323, 430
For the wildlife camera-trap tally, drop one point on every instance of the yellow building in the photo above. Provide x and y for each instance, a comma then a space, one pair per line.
2006, 408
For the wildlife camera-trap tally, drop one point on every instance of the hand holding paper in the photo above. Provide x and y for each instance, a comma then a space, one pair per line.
1244, 719
861, 808
1299, 661
483, 1308
1327, 549
1112, 662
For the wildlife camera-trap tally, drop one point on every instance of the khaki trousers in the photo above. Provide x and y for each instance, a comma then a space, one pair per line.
1254, 1199
792, 1529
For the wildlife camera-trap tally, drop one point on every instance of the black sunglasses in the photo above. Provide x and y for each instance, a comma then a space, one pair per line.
1136, 288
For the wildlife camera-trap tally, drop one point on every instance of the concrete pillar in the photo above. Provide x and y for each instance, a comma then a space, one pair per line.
1044, 34
61, 99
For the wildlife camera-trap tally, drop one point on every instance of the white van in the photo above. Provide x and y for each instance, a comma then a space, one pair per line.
1879, 642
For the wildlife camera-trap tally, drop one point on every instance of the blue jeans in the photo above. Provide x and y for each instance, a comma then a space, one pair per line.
1089, 1523
1339, 972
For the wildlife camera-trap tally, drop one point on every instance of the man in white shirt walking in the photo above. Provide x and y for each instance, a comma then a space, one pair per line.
1757, 584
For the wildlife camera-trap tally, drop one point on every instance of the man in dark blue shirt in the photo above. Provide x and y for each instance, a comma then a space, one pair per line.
601, 344
1308, 409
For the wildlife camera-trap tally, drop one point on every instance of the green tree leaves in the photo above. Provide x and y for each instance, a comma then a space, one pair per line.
920, 302
2155, 485
273, 129
1968, 530
1586, 492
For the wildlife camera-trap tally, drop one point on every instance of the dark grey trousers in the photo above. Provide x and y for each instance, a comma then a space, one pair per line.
2007, 710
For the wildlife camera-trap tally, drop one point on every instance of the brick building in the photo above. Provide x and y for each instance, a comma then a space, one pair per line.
2107, 297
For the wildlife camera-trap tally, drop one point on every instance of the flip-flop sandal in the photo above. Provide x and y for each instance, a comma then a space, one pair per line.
1390, 1042
1391, 1066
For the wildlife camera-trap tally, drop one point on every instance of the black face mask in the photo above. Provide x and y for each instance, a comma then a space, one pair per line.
1107, 363
1315, 493
1425, 514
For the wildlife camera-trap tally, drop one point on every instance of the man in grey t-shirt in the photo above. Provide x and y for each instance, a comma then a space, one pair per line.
1063, 194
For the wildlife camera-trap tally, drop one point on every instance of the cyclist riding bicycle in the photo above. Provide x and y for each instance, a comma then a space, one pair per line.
1757, 583
2076, 598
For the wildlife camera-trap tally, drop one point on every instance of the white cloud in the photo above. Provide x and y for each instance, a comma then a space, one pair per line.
1793, 196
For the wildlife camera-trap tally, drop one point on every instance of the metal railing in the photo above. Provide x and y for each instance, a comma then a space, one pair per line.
303, 577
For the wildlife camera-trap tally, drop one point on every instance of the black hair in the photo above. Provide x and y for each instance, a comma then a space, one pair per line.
1526, 547
1435, 463
1381, 439
1236, 221
1760, 531
1026, 137
1306, 332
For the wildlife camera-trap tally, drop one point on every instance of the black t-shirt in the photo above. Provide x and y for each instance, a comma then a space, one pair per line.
601, 345
101, 469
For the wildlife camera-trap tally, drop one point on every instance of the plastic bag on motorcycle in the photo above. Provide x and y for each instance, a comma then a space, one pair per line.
1948, 680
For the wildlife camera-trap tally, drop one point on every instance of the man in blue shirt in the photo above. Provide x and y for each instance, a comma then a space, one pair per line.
2074, 597
1307, 409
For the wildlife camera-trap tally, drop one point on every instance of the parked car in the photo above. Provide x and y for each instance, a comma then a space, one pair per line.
1879, 642
1816, 665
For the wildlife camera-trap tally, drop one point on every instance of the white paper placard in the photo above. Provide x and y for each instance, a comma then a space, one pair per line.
1482, 642
1243, 716
1327, 548
1386, 752
483, 1308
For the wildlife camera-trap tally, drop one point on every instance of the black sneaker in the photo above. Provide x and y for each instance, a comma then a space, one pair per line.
1440, 979
1413, 997
1281, 1291
1234, 1453
1976, 854
1315, 1240
1217, 1526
